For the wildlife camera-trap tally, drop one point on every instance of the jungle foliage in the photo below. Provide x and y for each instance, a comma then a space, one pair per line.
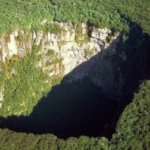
135, 11
24, 83
28, 14
132, 131
133, 127
16, 141
111, 13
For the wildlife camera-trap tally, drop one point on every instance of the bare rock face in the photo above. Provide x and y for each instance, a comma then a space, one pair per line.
39, 36
71, 53
12, 45
74, 54
1, 96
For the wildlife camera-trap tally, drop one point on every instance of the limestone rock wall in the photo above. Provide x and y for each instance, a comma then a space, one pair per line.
71, 45
1, 96
63, 52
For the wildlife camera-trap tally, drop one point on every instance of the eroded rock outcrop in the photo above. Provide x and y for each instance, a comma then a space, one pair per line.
72, 52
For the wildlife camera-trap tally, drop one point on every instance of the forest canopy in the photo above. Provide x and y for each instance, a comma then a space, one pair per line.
25, 14
111, 13
133, 127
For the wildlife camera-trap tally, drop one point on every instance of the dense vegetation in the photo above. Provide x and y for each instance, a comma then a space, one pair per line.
62, 112
24, 84
28, 14
133, 127
20, 14
16, 141
132, 131
135, 11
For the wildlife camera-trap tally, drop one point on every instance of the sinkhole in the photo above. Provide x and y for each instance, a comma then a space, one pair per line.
91, 98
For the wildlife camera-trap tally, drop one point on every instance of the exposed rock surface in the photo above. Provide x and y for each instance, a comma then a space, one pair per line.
71, 50
1, 96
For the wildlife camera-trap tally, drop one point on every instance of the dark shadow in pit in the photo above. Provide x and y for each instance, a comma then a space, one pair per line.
70, 109
78, 106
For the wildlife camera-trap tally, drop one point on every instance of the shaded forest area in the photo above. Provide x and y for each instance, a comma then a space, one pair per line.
69, 110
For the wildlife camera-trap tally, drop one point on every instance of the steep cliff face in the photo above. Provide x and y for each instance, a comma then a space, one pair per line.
75, 52
1, 96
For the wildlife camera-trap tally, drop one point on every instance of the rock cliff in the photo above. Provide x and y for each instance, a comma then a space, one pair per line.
75, 52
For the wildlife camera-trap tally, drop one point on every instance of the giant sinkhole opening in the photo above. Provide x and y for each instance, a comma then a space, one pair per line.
92, 79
